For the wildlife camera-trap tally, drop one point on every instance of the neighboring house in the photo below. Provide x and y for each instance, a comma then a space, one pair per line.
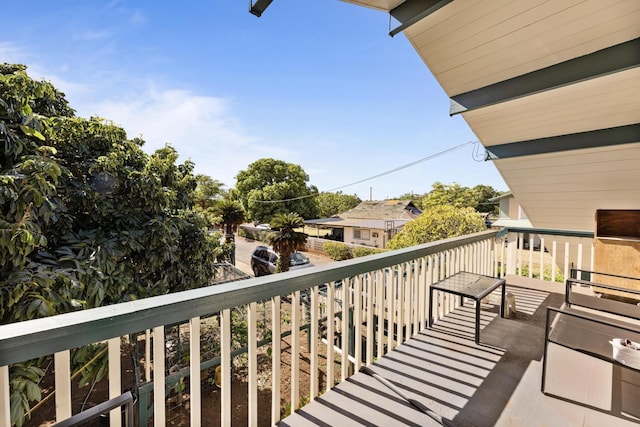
511, 215
510, 212
371, 223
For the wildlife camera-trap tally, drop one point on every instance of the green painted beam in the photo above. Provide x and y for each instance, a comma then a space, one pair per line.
409, 12
259, 7
576, 141
613, 59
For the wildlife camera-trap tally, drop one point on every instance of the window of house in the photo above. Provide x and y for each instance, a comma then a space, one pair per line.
361, 233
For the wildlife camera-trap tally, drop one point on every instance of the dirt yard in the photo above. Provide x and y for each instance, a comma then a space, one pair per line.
178, 407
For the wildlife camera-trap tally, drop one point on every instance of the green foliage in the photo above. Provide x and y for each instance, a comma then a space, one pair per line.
360, 251
337, 251
482, 194
436, 223
330, 204
91, 362
269, 187
24, 386
231, 214
546, 276
285, 410
256, 233
286, 240
208, 192
86, 217
460, 197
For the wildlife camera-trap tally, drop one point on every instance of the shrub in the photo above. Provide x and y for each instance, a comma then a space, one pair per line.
255, 233
546, 276
360, 251
337, 251
436, 223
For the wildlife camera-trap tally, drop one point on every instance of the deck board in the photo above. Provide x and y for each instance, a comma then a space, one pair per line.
360, 401
442, 369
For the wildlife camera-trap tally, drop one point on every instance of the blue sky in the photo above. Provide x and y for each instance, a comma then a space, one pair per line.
318, 83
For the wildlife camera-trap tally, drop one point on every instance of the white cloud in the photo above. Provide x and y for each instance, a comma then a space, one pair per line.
138, 18
11, 53
92, 35
202, 129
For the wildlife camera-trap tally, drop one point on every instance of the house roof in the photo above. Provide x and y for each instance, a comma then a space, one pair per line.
502, 196
381, 210
382, 215
551, 89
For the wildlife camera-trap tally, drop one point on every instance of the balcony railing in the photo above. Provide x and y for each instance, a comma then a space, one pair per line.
544, 254
352, 312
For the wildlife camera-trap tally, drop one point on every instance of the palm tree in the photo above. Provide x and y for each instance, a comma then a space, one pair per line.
231, 215
286, 241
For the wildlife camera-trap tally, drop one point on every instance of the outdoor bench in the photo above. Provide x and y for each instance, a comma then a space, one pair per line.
591, 331
607, 305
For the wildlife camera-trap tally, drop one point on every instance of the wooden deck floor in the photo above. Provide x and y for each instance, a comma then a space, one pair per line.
441, 377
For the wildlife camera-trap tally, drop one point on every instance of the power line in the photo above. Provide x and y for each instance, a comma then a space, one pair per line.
399, 168
408, 165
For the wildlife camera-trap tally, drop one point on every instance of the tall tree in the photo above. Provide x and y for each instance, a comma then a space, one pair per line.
287, 240
330, 204
208, 191
483, 194
463, 197
442, 194
436, 223
86, 217
269, 187
231, 214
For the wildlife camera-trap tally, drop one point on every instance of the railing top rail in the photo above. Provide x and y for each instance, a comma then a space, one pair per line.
546, 231
34, 338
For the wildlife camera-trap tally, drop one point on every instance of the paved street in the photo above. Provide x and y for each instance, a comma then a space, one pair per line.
244, 248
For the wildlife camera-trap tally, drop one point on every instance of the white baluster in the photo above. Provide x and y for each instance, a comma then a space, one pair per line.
63, 385
194, 366
159, 415
275, 359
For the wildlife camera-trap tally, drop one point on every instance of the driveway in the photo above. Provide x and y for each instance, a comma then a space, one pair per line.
244, 248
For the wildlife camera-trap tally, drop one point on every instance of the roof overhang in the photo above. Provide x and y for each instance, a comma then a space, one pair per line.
550, 88
379, 224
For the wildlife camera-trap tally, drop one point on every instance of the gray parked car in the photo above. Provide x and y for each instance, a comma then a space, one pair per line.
263, 261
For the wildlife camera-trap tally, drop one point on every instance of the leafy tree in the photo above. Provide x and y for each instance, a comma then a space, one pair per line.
409, 196
208, 191
482, 194
269, 187
330, 204
86, 217
459, 196
436, 223
442, 194
286, 240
